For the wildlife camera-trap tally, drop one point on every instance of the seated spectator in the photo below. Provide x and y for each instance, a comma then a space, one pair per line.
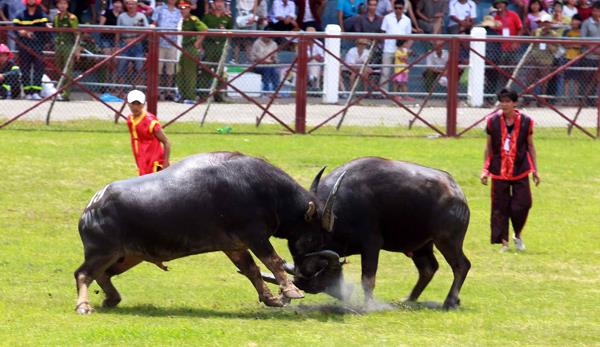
131, 18
436, 67
570, 8
167, 16
347, 10
430, 14
369, 22
572, 77
262, 11
560, 21
10, 76
246, 19
462, 16
309, 14
261, 48
284, 16
315, 56
535, 12
356, 57
584, 9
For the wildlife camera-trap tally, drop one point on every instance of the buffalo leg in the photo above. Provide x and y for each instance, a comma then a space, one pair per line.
92, 268
427, 265
243, 260
265, 252
453, 253
369, 260
113, 298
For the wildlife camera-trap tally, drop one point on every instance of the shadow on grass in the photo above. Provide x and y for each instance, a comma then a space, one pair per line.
322, 312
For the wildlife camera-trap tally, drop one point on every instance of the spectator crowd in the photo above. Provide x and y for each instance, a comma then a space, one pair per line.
389, 60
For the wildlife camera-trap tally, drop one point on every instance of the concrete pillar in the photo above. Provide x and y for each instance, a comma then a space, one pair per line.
331, 71
476, 69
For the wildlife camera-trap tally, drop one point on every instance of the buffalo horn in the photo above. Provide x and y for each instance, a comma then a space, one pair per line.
329, 255
328, 216
315, 182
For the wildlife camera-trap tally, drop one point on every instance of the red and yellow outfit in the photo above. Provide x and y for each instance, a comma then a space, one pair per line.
147, 150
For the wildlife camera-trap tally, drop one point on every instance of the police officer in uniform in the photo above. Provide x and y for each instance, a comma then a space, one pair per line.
187, 71
64, 41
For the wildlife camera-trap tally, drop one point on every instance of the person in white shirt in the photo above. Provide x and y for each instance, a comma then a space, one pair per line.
315, 56
356, 57
261, 48
395, 23
462, 16
436, 66
284, 16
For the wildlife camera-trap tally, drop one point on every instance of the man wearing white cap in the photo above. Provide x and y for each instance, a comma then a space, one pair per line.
146, 136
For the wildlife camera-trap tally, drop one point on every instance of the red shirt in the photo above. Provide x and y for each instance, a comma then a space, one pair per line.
512, 22
584, 13
147, 150
509, 158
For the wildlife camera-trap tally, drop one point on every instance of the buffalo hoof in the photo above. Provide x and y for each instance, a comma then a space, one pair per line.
84, 308
292, 292
272, 301
111, 302
451, 304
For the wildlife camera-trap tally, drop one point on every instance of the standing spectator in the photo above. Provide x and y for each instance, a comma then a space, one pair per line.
534, 13
64, 42
510, 25
462, 16
395, 23
261, 48
167, 16
570, 8
315, 56
347, 9
356, 57
87, 7
430, 14
584, 9
187, 74
492, 49
541, 57
213, 46
32, 16
591, 28
309, 14
150, 146
284, 16
107, 41
401, 71
573, 77
436, 67
369, 22
10, 75
509, 158
9, 9
199, 8
384, 7
131, 18
560, 21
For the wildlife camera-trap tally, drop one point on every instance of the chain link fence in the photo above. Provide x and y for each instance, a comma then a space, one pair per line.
295, 82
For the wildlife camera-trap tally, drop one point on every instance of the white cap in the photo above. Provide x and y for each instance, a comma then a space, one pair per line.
545, 17
136, 95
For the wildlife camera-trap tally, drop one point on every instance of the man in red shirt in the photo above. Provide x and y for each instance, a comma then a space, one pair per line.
509, 159
146, 136
509, 25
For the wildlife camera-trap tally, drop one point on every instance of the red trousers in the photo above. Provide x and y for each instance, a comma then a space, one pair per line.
510, 200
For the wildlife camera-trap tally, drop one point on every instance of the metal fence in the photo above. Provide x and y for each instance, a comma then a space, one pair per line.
301, 82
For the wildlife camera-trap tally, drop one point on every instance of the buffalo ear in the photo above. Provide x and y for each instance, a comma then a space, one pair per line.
315, 183
310, 212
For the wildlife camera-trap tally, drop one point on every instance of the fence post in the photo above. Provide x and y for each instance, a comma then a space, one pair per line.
452, 101
475, 89
331, 71
301, 78
152, 73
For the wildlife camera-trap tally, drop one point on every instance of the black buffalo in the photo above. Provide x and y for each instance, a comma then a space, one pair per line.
394, 206
210, 202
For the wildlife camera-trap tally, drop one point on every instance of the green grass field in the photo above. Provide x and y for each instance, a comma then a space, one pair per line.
547, 296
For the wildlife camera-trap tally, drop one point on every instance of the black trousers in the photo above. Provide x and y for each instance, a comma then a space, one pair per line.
511, 200
28, 62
